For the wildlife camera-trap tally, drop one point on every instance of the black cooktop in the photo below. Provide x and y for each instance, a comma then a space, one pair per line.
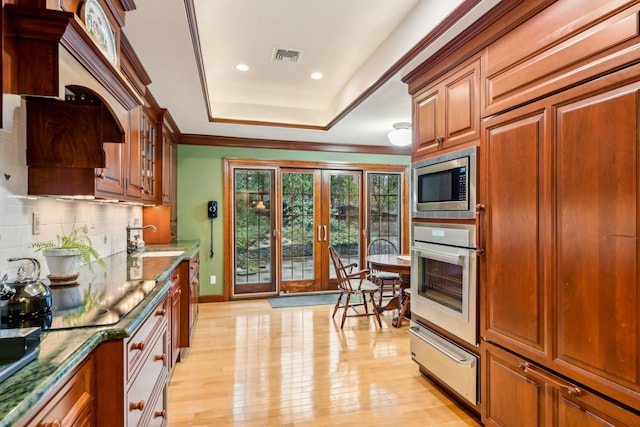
92, 303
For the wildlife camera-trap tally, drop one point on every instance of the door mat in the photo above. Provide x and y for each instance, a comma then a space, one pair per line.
303, 300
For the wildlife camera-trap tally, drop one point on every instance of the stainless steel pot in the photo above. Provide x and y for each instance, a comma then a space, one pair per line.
26, 297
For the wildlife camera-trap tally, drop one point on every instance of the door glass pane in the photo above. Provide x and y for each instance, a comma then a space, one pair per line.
297, 226
253, 230
344, 221
384, 207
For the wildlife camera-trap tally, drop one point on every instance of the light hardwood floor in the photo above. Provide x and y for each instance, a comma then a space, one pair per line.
252, 365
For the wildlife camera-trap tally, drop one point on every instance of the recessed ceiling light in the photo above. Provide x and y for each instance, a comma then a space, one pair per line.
316, 76
242, 67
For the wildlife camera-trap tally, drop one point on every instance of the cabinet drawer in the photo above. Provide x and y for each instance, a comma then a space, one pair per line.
73, 405
559, 47
158, 413
153, 371
542, 398
139, 343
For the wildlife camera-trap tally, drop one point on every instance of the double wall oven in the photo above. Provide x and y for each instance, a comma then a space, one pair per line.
444, 303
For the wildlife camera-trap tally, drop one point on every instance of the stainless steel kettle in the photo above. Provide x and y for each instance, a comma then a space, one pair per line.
26, 297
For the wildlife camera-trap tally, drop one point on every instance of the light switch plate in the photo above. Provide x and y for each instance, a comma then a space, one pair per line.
35, 223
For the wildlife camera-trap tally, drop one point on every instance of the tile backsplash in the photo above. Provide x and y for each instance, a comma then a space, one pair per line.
106, 222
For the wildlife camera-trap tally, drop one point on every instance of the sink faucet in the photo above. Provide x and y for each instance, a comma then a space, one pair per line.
132, 246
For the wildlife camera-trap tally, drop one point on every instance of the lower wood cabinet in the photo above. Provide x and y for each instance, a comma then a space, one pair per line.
190, 273
133, 375
519, 393
74, 403
175, 319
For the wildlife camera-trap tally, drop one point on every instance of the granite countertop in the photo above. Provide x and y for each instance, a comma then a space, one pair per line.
66, 346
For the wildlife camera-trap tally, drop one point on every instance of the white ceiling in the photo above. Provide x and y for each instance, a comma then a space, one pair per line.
352, 43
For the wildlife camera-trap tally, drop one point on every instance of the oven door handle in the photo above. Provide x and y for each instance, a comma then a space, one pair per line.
442, 256
456, 358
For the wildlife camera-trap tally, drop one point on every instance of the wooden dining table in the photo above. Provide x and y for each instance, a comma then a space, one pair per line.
400, 264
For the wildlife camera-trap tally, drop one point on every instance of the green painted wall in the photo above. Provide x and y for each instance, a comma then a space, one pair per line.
200, 174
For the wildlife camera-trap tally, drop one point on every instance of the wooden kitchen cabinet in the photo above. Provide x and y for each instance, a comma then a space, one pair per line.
447, 113
190, 269
559, 277
165, 215
133, 374
74, 402
149, 148
561, 46
175, 318
541, 398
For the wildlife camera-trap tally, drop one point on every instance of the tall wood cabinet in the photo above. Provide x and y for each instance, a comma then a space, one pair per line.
559, 280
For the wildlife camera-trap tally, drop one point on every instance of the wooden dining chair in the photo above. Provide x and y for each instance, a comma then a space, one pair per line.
353, 283
384, 279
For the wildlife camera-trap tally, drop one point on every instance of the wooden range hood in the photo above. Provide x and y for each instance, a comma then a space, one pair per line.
64, 137
65, 142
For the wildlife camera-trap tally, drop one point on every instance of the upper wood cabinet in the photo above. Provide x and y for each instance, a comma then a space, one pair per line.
149, 151
559, 277
447, 113
561, 46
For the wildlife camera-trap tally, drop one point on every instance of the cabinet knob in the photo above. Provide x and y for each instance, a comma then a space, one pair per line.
100, 175
160, 414
136, 406
161, 312
162, 357
54, 423
137, 346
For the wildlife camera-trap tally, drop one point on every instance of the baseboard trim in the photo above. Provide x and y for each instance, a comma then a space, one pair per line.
210, 298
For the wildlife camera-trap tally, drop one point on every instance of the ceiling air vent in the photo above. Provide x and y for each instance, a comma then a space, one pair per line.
286, 55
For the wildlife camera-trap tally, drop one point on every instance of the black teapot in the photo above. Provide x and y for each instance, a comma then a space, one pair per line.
25, 297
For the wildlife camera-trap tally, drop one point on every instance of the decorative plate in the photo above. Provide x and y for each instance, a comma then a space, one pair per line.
99, 28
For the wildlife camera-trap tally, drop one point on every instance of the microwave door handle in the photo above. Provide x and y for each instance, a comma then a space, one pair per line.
443, 256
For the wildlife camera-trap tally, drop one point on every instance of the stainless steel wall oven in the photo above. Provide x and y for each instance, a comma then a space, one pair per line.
444, 293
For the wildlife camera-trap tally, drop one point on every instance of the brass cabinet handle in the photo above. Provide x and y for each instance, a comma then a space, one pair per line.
160, 414
54, 423
566, 387
137, 346
162, 357
480, 244
100, 175
161, 312
139, 406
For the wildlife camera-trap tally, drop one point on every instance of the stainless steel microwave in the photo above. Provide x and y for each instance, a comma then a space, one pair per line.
445, 186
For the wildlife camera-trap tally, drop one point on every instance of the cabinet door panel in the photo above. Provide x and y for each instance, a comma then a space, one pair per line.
111, 179
506, 388
426, 122
462, 106
597, 199
513, 288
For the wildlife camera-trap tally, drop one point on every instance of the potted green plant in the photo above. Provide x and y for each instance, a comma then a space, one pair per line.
65, 254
